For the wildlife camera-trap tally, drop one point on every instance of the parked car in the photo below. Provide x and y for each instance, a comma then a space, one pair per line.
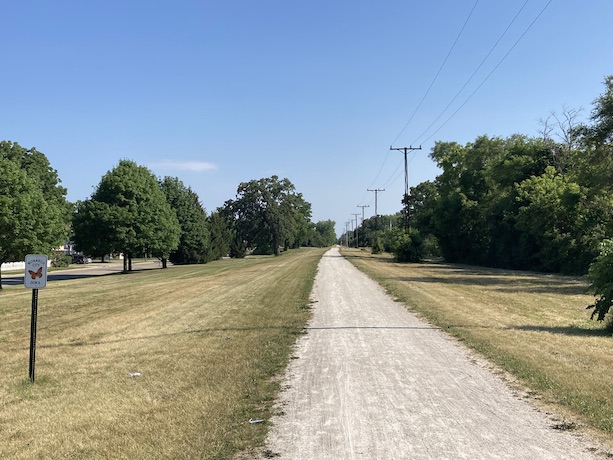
81, 259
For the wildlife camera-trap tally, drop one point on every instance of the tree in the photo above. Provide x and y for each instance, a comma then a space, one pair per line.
601, 276
194, 238
220, 237
407, 245
33, 208
601, 132
266, 214
553, 213
127, 213
324, 234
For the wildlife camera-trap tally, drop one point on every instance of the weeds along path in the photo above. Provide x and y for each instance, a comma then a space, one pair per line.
373, 381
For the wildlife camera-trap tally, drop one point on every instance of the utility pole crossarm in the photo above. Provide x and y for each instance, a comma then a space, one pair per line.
363, 206
376, 190
405, 150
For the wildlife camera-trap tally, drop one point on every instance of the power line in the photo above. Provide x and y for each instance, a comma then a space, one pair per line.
490, 74
474, 73
424, 97
437, 73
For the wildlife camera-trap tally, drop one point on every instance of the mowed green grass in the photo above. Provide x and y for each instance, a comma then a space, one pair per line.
207, 341
533, 326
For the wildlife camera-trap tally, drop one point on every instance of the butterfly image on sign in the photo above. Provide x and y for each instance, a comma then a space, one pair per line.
35, 276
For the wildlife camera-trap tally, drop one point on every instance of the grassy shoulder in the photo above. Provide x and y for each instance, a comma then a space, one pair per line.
534, 326
154, 364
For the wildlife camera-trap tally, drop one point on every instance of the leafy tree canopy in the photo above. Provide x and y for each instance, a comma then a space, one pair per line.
266, 214
324, 234
127, 213
194, 238
33, 208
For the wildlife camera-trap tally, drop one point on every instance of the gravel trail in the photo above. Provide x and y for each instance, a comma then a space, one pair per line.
372, 381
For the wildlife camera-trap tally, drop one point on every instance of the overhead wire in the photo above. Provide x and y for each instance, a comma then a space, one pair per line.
396, 175
393, 179
472, 75
424, 96
491, 72
437, 73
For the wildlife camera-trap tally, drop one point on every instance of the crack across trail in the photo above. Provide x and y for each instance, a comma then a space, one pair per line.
384, 384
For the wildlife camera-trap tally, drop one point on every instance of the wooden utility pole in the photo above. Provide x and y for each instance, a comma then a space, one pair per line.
363, 206
357, 238
406, 150
347, 230
376, 190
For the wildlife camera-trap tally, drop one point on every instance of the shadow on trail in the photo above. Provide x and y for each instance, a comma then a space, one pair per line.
84, 343
295, 330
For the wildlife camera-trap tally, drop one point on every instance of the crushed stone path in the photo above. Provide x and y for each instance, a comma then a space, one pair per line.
372, 381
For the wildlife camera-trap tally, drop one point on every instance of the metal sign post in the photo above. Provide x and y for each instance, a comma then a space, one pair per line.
35, 277
33, 334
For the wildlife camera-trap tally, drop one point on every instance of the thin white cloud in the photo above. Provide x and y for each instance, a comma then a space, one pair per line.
181, 165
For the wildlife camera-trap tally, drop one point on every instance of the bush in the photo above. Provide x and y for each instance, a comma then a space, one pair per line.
377, 245
408, 246
600, 274
61, 260
431, 246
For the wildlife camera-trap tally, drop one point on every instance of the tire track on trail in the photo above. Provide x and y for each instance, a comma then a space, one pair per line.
375, 382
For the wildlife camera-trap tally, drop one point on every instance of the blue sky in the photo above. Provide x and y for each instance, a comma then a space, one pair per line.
222, 92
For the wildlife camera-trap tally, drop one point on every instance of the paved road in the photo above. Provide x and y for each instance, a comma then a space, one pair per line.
82, 272
373, 382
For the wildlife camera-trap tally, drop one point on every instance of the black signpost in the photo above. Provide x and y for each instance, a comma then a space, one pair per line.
33, 334
35, 277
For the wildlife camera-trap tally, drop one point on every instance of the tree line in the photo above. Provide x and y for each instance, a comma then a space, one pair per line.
541, 203
134, 213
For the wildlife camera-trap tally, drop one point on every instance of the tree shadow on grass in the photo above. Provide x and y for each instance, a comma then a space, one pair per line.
574, 331
367, 256
16, 280
500, 279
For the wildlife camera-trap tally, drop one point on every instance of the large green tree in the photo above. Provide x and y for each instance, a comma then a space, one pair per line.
194, 239
502, 202
553, 213
33, 208
266, 214
220, 236
127, 213
600, 274
324, 234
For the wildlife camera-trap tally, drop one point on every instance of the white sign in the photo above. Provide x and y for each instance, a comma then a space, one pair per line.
36, 271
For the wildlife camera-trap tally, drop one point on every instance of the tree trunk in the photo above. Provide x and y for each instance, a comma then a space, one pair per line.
129, 261
125, 263
164, 262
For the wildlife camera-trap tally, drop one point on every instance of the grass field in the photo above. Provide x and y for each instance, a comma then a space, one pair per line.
207, 341
534, 326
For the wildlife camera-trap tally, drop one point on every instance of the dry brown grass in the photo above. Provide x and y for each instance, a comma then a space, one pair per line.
534, 326
206, 340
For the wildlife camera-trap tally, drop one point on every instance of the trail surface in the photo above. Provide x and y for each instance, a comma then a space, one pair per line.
371, 381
